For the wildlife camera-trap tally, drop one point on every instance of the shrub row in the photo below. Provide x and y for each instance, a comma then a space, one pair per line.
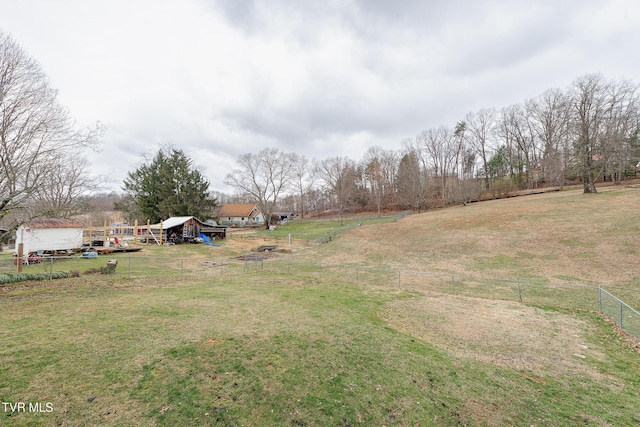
20, 277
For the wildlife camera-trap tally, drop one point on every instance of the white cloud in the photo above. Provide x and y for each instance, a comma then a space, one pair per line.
222, 78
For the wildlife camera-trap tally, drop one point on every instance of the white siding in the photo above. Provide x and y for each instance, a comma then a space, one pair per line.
48, 239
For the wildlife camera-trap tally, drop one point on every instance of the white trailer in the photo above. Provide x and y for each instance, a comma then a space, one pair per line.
50, 235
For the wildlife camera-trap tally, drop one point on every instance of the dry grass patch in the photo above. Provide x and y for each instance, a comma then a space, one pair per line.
592, 238
502, 333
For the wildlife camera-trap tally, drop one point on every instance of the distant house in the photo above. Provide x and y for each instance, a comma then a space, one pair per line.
245, 214
180, 229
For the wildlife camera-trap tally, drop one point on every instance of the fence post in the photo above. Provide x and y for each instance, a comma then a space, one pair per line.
20, 258
600, 299
621, 307
519, 293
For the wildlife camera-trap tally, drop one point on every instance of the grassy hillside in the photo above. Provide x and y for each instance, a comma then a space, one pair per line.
568, 236
322, 348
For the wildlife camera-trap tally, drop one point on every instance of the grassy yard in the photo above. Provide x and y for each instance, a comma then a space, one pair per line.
324, 229
555, 237
259, 350
172, 339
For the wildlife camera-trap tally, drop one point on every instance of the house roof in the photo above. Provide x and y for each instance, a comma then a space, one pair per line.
244, 209
54, 223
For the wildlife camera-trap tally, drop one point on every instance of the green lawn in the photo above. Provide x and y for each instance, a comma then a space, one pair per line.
324, 229
261, 350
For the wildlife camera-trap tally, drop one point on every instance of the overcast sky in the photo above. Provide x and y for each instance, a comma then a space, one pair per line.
219, 78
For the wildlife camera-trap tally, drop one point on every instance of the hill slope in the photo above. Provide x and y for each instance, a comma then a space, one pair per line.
564, 236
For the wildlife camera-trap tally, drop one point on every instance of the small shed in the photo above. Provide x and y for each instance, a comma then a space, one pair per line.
184, 229
49, 235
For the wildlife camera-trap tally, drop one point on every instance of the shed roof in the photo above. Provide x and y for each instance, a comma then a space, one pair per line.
54, 223
234, 210
173, 221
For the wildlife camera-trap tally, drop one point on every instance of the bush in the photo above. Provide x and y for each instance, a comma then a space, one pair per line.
21, 277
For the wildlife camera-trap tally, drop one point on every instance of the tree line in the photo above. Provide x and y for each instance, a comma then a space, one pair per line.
585, 133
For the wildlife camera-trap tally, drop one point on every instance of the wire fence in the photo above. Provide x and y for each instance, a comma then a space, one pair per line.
267, 266
282, 233
625, 316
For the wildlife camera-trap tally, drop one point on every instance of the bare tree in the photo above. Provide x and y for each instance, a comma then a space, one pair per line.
264, 176
101, 208
479, 130
303, 178
467, 188
389, 162
441, 148
374, 174
550, 114
38, 139
64, 193
592, 107
340, 175
620, 126
516, 129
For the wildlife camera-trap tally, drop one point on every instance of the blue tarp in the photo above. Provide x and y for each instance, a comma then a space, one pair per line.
207, 240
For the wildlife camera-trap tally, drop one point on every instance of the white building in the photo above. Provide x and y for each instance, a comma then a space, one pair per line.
49, 235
